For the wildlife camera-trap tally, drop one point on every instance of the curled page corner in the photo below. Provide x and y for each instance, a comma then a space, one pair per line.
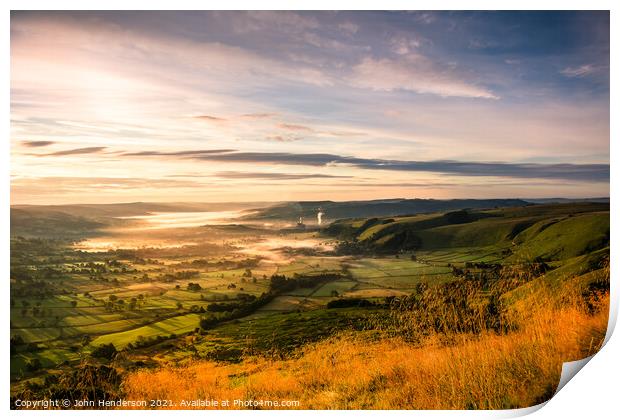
613, 315
570, 369
522, 412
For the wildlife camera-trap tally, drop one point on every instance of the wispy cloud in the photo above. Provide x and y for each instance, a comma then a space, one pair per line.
273, 175
283, 137
580, 71
295, 127
481, 44
285, 21
67, 184
36, 143
415, 73
178, 153
403, 44
259, 115
349, 27
79, 151
210, 118
565, 171
424, 17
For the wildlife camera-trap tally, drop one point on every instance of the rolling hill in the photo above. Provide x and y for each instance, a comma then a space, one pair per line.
547, 231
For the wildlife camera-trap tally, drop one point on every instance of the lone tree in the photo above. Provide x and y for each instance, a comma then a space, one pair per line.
194, 287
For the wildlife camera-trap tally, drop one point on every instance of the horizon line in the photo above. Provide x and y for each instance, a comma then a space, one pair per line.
531, 199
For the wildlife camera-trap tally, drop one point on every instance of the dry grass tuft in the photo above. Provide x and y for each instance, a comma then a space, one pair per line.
486, 370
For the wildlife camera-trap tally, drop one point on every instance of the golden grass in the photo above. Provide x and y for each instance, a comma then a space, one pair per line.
352, 371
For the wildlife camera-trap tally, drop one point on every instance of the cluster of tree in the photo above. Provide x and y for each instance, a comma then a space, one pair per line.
353, 247
104, 351
114, 303
178, 275
142, 342
18, 342
194, 287
399, 242
224, 307
244, 300
96, 269
245, 279
28, 274
38, 289
280, 284
224, 264
239, 310
26, 248
405, 240
351, 303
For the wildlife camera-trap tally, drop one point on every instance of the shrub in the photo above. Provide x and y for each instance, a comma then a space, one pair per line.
105, 351
349, 303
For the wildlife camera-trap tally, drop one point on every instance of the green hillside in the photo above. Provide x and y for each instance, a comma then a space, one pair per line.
568, 243
558, 239
548, 231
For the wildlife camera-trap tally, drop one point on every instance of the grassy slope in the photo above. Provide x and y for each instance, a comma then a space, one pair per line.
283, 332
564, 238
352, 372
550, 231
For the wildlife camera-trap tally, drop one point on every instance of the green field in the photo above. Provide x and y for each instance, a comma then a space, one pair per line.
176, 325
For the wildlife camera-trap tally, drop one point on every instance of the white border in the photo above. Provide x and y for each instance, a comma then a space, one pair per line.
592, 395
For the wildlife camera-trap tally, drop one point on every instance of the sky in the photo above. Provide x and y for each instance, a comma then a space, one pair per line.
125, 106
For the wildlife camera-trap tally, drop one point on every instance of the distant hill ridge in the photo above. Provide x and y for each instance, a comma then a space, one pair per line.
376, 208
84, 219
